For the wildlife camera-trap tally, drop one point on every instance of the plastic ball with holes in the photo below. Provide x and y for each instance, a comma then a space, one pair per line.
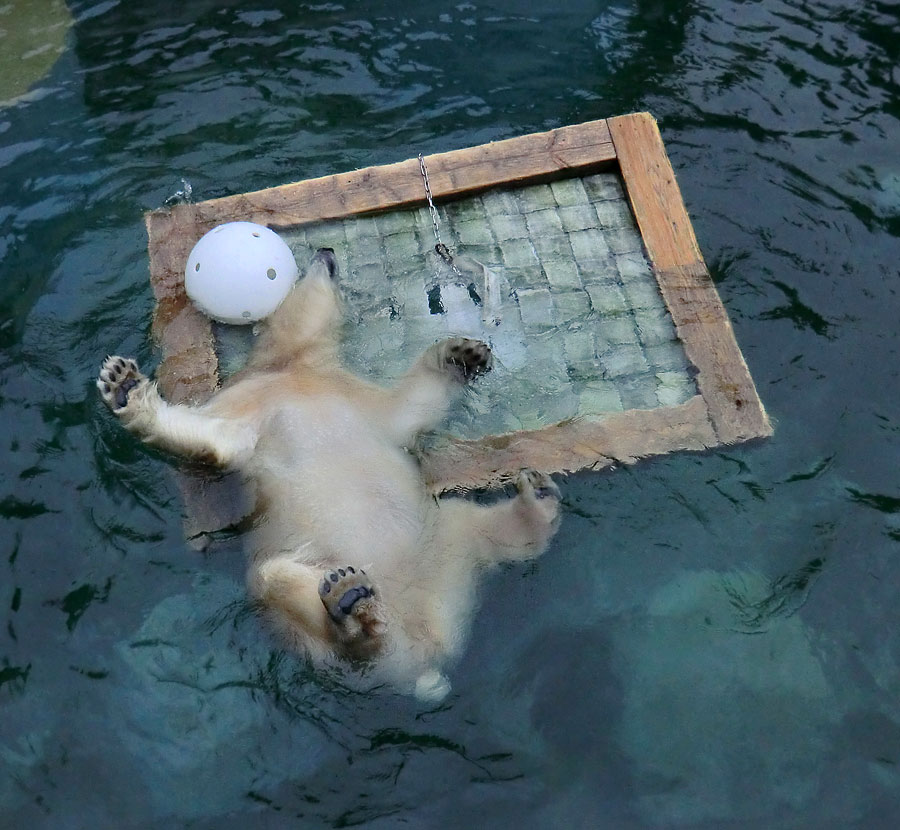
239, 272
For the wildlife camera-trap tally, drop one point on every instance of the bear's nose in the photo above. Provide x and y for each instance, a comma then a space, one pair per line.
326, 255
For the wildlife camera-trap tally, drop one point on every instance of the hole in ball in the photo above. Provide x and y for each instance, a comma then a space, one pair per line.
271, 274
197, 267
255, 233
246, 314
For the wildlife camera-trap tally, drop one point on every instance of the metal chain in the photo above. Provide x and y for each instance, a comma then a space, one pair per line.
442, 251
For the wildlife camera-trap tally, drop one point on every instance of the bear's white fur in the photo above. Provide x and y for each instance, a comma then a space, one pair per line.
351, 557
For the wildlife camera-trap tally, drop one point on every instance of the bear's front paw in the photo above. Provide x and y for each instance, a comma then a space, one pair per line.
119, 377
540, 485
541, 496
349, 598
470, 358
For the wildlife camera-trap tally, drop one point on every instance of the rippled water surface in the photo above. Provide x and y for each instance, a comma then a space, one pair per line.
712, 640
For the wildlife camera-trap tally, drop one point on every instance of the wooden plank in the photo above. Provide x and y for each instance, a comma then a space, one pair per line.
189, 369
188, 373
688, 291
563, 151
653, 192
705, 331
618, 438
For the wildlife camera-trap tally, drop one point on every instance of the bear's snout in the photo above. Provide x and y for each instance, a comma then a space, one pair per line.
327, 258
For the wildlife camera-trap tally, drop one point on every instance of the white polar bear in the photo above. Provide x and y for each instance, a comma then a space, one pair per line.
351, 555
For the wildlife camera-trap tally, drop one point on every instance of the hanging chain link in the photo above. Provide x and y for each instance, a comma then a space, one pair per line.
442, 251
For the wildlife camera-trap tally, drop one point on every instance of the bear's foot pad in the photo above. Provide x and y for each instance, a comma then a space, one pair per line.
349, 595
118, 376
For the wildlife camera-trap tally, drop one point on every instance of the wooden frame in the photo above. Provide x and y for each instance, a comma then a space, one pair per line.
727, 408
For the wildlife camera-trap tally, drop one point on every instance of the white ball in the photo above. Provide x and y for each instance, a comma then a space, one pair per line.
239, 272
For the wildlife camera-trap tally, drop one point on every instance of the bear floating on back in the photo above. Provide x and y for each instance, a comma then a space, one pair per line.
351, 556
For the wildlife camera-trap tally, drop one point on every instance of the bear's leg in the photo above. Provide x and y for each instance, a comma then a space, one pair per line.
290, 589
339, 608
182, 430
515, 529
421, 398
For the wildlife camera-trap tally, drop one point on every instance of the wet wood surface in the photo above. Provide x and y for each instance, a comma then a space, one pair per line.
565, 151
736, 412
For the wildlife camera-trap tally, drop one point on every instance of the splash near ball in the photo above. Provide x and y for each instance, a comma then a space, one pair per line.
239, 272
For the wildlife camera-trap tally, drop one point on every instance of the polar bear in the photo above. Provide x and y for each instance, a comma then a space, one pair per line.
351, 556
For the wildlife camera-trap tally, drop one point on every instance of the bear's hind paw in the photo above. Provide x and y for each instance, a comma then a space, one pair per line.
349, 598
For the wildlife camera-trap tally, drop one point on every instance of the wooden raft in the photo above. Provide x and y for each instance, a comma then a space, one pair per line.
726, 410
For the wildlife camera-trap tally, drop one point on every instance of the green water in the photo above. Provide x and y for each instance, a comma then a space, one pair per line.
712, 640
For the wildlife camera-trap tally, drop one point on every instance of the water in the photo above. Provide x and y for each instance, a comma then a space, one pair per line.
712, 639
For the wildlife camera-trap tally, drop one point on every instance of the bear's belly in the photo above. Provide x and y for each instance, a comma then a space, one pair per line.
330, 478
